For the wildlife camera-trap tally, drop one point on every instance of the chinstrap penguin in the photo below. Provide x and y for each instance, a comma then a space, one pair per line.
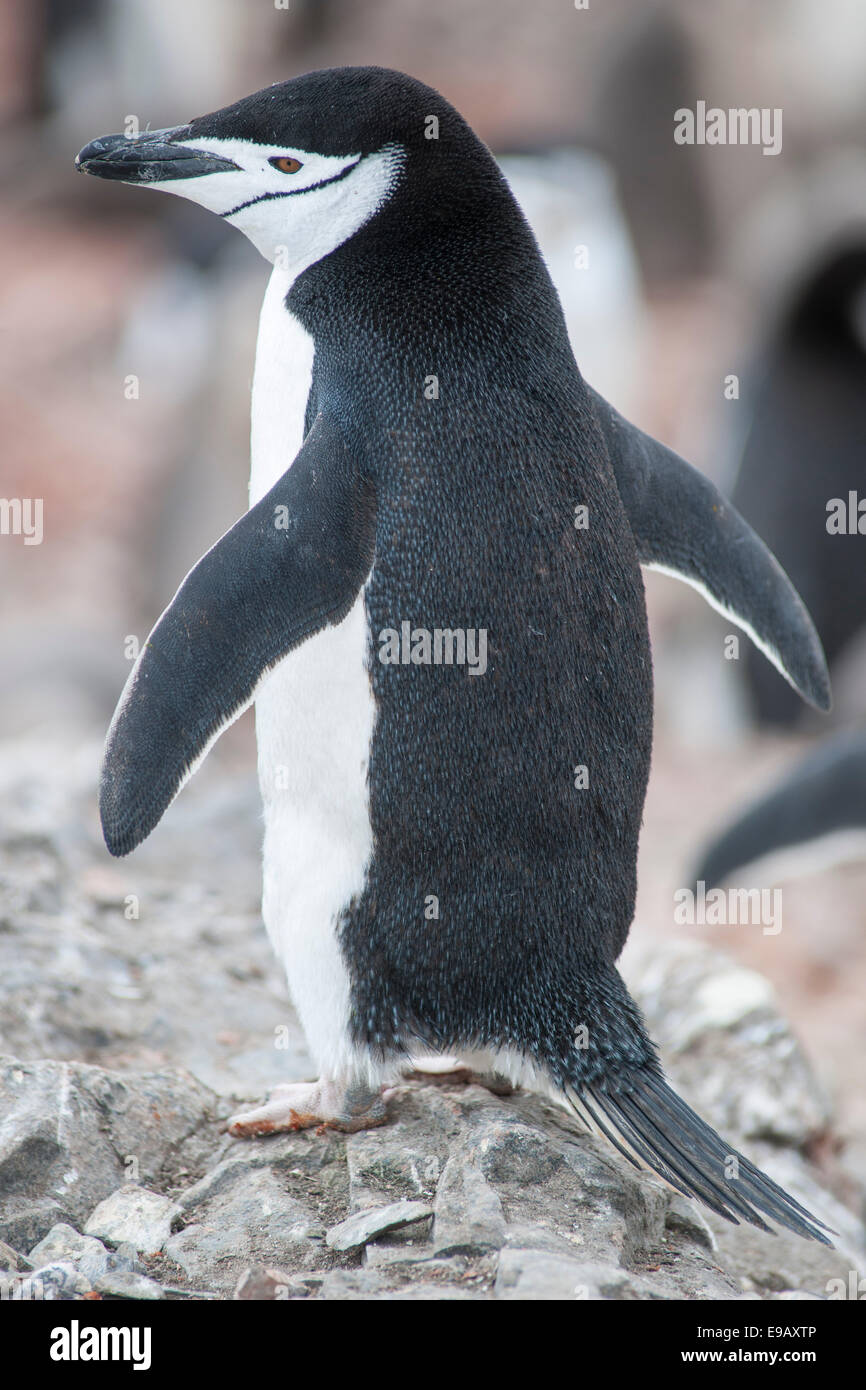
803, 449
449, 855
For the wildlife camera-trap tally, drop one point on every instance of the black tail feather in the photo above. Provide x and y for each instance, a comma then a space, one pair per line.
652, 1127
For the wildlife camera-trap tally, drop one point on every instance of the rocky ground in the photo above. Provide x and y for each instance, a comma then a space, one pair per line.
139, 1000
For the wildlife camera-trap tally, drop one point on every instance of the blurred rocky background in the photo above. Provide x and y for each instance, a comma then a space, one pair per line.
128, 331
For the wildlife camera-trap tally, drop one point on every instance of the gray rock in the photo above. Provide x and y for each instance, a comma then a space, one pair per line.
23, 1222
301, 1161
64, 1243
133, 1216
770, 1266
349, 1285
686, 1217
603, 1211
12, 1259
246, 1218
119, 1283
393, 1252
58, 1282
533, 1274
512, 1151
365, 1226
730, 1050
274, 1285
70, 1134
430, 1292
525, 1274
403, 1160
468, 1211
124, 1258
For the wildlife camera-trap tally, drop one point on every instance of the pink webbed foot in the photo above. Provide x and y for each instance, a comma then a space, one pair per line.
312, 1105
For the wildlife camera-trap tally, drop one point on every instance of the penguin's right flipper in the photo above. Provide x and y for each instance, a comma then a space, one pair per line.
823, 798
654, 1129
294, 563
682, 525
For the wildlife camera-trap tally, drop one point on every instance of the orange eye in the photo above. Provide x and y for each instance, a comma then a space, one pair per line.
286, 164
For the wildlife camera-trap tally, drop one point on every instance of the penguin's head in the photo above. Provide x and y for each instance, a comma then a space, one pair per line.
300, 166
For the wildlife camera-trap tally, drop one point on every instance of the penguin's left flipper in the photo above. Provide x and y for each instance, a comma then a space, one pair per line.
683, 526
294, 563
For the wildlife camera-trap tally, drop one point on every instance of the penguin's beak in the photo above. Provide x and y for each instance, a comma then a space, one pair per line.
152, 157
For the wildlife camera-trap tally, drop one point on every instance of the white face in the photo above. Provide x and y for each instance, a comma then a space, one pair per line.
294, 217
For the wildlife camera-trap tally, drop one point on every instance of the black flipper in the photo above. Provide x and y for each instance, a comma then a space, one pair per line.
824, 795
653, 1128
683, 526
274, 579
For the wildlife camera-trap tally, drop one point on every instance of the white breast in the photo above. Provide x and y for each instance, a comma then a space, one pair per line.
314, 723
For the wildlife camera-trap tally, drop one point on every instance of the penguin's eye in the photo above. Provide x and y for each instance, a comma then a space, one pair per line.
286, 164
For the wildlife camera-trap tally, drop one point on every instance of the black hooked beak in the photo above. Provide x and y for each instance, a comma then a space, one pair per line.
152, 157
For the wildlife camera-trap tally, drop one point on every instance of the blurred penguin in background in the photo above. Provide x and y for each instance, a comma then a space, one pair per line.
802, 454
805, 455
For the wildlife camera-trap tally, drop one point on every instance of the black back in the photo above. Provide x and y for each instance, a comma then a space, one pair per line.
472, 780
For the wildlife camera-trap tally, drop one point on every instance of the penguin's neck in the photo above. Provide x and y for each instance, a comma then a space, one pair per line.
281, 385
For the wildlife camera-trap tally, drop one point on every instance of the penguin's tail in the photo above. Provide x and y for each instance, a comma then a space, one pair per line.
654, 1129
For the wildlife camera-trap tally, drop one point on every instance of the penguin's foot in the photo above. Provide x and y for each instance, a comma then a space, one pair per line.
312, 1105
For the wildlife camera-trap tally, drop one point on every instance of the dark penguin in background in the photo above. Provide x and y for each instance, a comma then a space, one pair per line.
813, 818
805, 446
439, 872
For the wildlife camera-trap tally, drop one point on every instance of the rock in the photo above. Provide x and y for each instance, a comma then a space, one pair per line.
349, 1285
511, 1151
12, 1259
119, 1283
59, 1281
64, 1243
770, 1265
270, 1285
302, 1162
365, 1226
685, 1216
243, 1217
533, 1274
134, 1216
403, 1160
468, 1212
774, 1280
124, 1258
730, 1050
603, 1211
24, 1222
69, 1134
